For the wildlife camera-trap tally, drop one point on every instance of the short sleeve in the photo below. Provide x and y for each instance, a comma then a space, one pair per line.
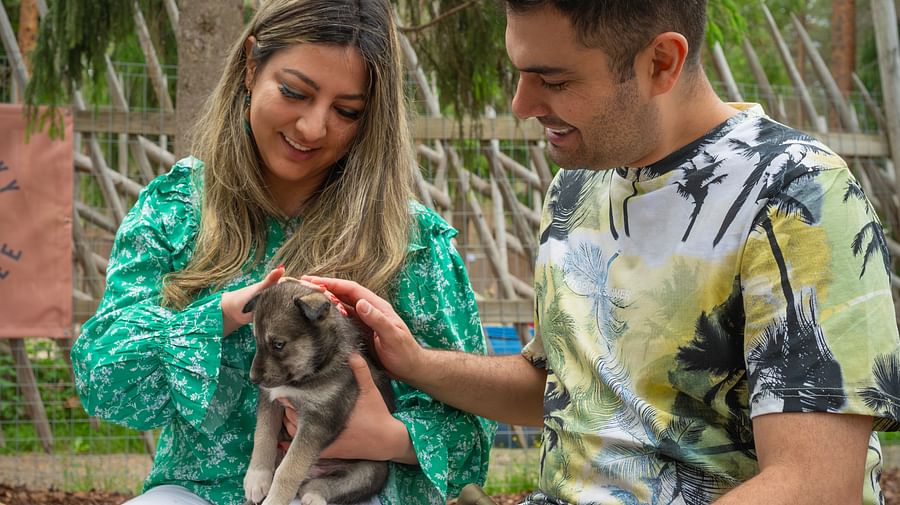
821, 334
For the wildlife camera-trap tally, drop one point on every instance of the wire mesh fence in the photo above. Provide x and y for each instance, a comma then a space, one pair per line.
88, 453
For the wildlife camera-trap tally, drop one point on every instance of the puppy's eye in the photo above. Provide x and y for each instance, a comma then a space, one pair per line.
278, 345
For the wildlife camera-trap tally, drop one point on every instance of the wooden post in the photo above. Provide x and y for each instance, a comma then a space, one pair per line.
871, 104
8, 36
774, 107
848, 119
799, 86
721, 65
34, 406
884, 17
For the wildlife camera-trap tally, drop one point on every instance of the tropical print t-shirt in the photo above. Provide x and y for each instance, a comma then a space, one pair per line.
742, 275
145, 366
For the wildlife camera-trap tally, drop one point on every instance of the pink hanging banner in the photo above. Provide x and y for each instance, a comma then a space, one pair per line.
36, 181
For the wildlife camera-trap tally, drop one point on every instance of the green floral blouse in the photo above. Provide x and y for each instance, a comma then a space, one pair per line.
145, 366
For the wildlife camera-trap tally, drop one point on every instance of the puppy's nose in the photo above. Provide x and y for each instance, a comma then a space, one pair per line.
254, 377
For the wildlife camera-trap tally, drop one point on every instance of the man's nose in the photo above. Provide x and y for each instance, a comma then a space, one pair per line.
527, 101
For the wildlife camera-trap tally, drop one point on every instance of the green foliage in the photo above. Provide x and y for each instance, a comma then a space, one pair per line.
726, 23
74, 38
72, 431
463, 49
513, 471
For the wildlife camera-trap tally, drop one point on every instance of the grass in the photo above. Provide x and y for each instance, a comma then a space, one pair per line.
512, 471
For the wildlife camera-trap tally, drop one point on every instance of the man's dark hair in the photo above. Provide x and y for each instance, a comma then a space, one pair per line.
622, 28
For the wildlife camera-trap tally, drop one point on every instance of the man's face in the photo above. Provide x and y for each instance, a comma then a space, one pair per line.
590, 118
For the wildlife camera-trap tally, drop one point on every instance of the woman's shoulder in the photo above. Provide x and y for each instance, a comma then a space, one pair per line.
428, 227
182, 183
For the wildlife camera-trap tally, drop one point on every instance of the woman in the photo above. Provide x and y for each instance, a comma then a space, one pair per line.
306, 163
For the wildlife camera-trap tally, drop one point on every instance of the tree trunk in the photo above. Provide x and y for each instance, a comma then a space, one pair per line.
28, 28
206, 30
843, 43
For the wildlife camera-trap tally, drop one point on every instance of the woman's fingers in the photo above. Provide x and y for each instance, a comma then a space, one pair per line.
350, 292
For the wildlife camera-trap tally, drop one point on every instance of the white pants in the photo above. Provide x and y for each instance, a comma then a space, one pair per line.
177, 495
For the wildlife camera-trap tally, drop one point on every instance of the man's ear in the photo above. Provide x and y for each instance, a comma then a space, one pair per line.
250, 72
663, 61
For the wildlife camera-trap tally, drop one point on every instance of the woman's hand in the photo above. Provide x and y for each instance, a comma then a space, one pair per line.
371, 433
233, 302
396, 349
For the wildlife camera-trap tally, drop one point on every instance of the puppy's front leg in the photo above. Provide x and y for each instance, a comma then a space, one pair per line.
258, 480
308, 442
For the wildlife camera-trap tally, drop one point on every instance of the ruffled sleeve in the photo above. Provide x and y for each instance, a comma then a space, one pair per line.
435, 299
137, 363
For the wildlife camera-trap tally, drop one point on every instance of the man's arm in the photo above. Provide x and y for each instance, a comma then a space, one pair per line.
504, 388
806, 458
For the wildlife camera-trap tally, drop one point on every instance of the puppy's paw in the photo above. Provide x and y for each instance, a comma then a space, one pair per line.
312, 499
257, 483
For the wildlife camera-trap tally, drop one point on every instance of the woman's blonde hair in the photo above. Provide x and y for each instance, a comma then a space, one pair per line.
358, 224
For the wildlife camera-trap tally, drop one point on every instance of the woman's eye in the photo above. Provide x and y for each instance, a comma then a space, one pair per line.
288, 92
349, 114
278, 345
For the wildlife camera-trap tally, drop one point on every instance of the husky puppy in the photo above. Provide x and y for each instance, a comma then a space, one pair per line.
302, 345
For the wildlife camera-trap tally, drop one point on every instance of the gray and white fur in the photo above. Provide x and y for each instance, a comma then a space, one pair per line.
302, 346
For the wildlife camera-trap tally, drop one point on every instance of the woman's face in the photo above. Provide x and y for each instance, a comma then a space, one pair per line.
304, 112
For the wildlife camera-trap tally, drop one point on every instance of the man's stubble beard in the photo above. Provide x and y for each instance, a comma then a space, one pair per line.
624, 131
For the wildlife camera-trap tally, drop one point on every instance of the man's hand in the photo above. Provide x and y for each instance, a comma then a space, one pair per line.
394, 345
371, 433
233, 302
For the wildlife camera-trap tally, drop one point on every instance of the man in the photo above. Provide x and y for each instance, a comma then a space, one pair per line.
713, 310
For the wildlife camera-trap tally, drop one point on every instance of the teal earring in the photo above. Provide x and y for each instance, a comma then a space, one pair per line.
247, 114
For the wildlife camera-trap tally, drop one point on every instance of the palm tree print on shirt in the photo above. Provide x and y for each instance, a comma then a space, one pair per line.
587, 274
877, 242
717, 352
564, 200
792, 361
695, 186
771, 143
884, 396
784, 198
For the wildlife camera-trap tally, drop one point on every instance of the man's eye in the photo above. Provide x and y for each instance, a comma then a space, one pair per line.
278, 345
554, 86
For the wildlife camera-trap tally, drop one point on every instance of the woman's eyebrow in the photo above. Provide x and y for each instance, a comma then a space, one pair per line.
314, 85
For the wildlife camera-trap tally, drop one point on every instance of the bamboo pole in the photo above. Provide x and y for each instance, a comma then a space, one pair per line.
724, 70
8, 36
499, 220
34, 406
539, 158
818, 124
884, 16
156, 153
870, 102
126, 185
847, 117
484, 233
773, 105
117, 94
154, 69
101, 170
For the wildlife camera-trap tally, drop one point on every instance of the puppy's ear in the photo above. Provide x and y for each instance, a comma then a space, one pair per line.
314, 308
250, 305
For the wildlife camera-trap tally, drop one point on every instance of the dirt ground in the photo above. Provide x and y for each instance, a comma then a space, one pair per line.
31, 493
